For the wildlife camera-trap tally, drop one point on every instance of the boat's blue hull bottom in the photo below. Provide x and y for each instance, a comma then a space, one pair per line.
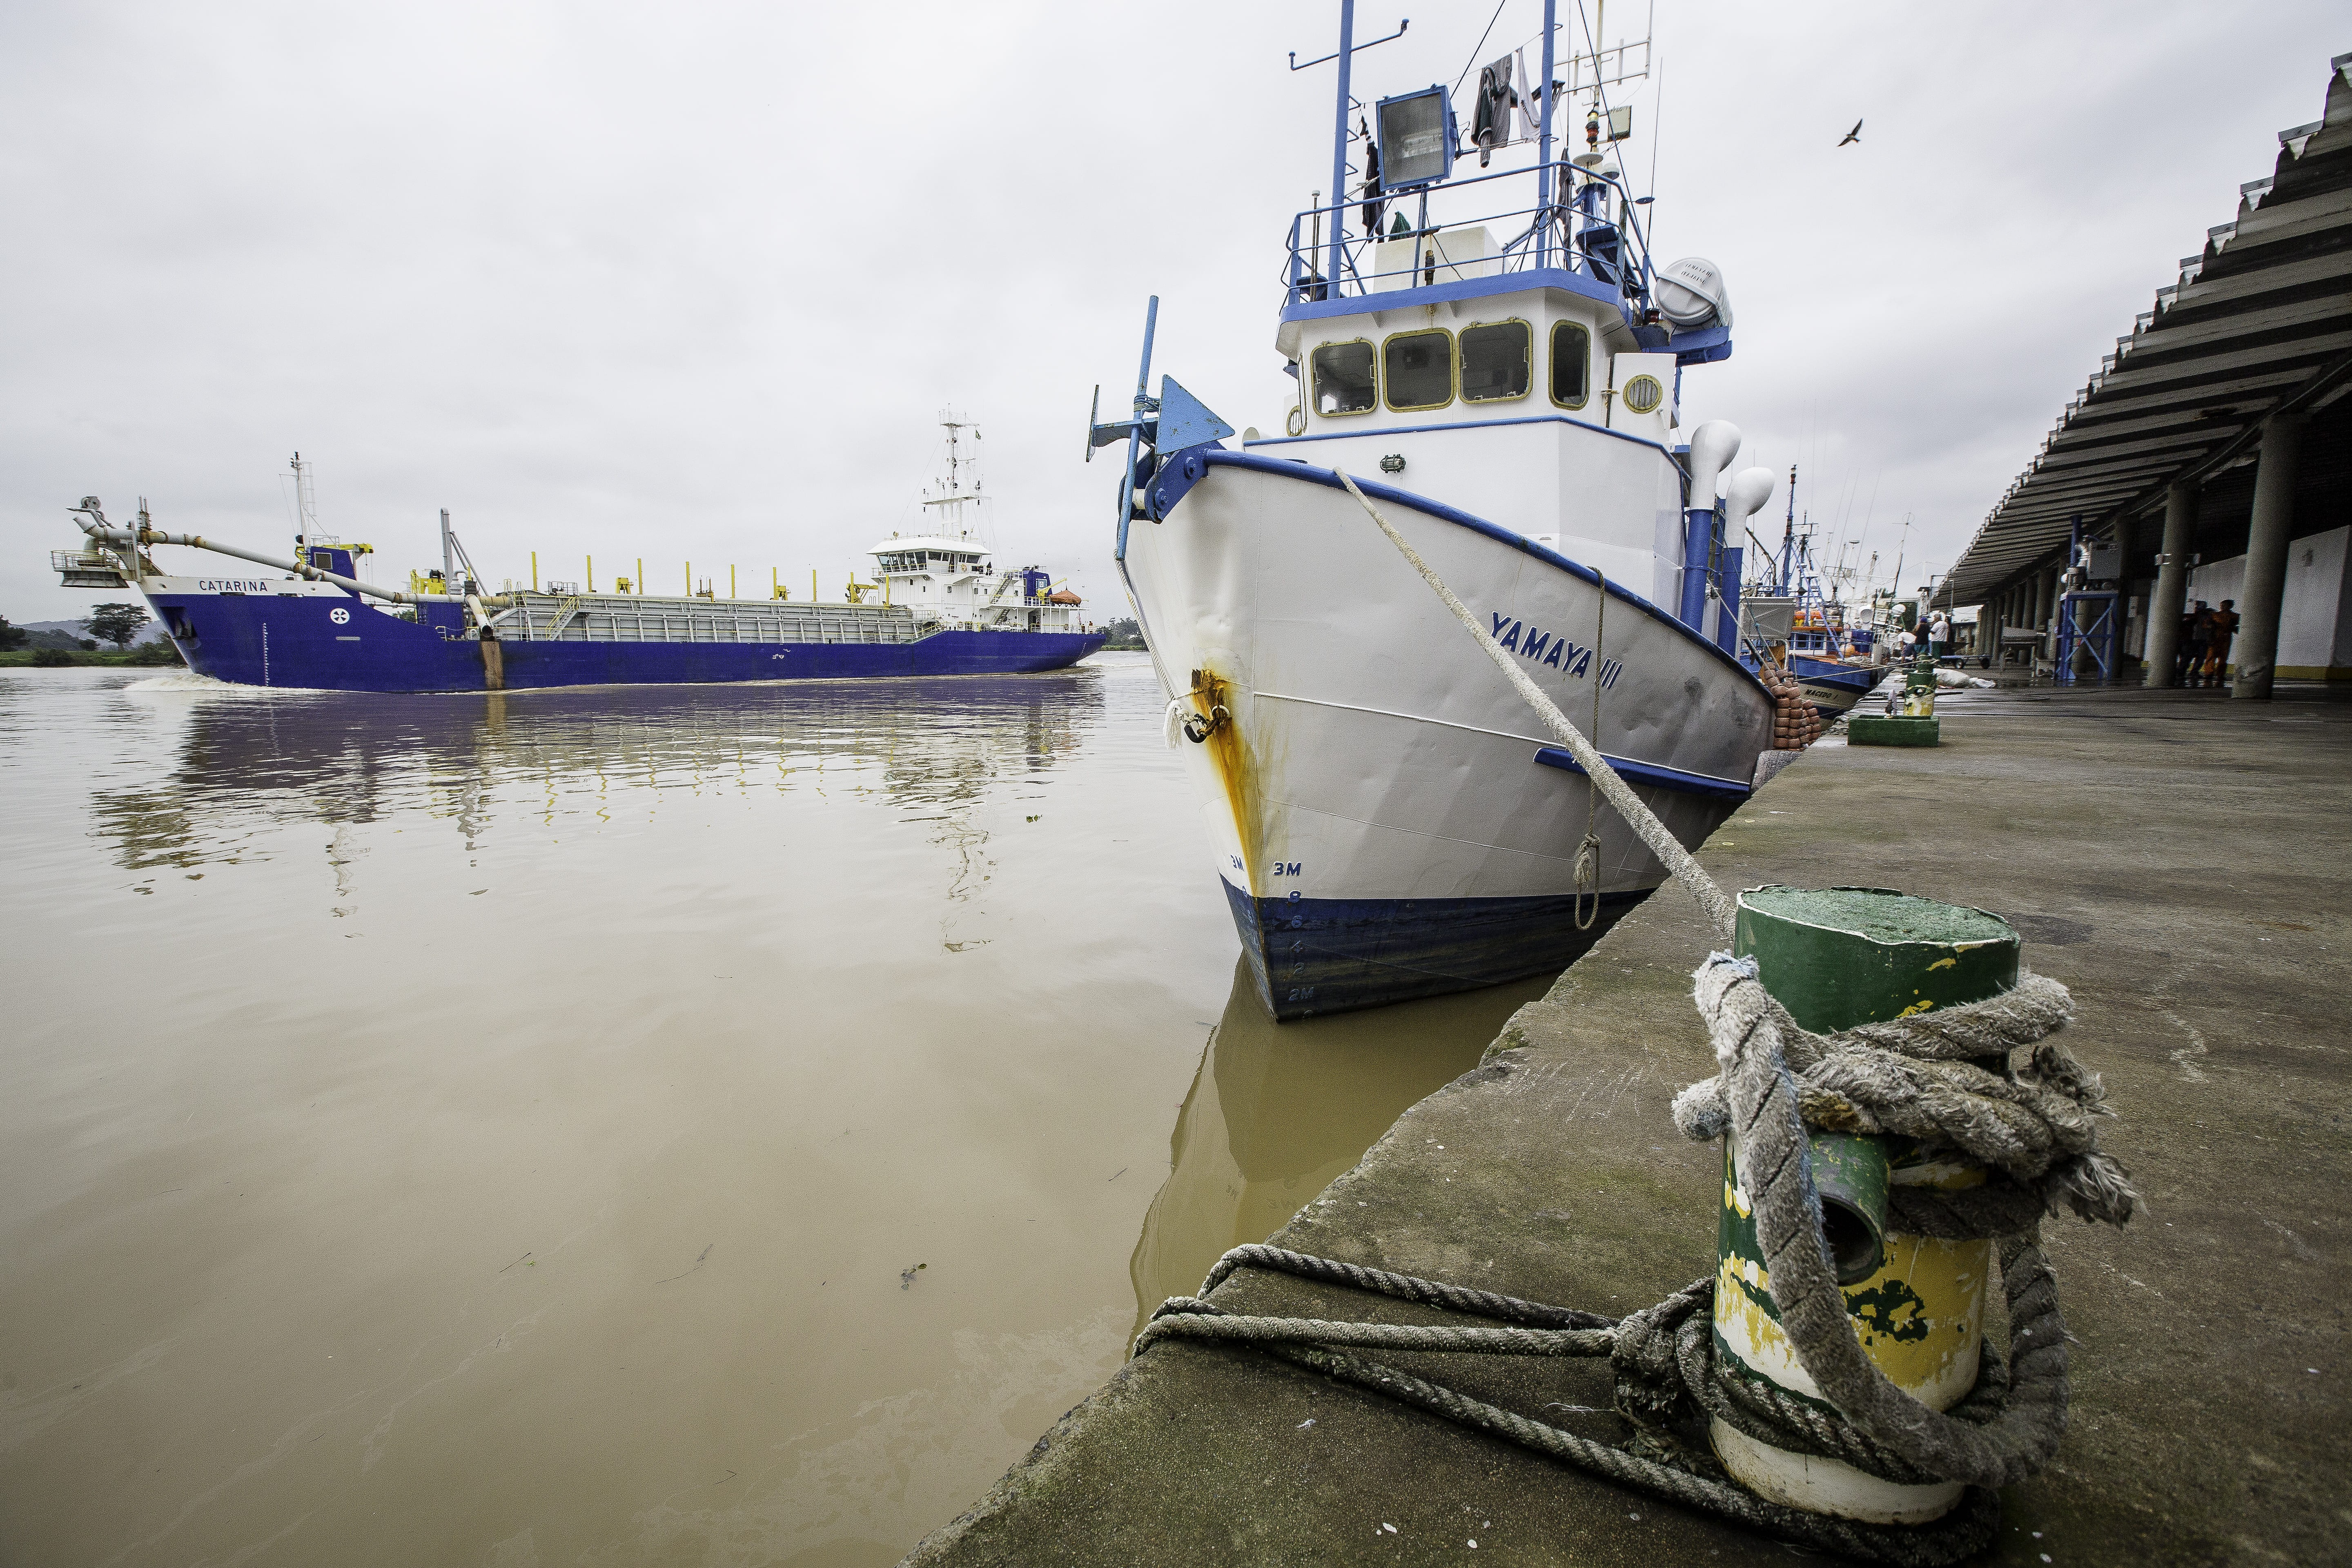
1331, 955
294, 642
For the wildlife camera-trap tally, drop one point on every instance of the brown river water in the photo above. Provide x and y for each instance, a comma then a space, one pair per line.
717, 1125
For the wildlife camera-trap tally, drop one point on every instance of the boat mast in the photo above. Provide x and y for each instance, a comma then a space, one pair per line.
1339, 156
952, 525
306, 502
1543, 143
1789, 532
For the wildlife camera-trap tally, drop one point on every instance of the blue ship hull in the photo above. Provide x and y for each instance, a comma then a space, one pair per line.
289, 641
1309, 956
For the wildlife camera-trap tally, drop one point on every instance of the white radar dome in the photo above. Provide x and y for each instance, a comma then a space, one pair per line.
1690, 294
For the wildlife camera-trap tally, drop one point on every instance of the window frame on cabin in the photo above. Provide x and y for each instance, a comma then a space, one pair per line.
1387, 377
1373, 365
1584, 396
1528, 363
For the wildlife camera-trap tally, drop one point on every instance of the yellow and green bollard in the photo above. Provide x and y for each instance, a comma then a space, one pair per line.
1836, 958
1914, 721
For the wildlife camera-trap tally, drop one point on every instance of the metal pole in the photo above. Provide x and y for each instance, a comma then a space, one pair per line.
1135, 434
1338, 170
1543, 145
450, 555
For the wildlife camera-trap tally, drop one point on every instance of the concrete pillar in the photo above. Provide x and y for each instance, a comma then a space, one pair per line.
2170, 601
2256, 647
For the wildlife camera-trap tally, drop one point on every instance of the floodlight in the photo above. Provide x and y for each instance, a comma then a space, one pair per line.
1620, 123
1416, 131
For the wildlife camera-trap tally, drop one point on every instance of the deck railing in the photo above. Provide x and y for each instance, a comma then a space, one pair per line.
1594, 227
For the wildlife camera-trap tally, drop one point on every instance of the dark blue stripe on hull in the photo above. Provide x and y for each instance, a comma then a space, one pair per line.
1632, 772
1332, 955
294, 641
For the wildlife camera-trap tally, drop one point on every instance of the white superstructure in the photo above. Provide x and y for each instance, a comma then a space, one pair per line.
948, 578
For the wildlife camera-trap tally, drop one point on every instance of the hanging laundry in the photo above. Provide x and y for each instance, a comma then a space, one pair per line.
1373, 205
1490, 124
1530, 125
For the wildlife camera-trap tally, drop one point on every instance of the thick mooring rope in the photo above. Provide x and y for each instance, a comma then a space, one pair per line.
2031, 1126
1943, 1078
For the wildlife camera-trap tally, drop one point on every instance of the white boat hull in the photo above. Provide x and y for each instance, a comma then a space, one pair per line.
1378, 800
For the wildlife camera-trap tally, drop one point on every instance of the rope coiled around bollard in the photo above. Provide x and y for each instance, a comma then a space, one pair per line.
1944, 1079
1925, 1076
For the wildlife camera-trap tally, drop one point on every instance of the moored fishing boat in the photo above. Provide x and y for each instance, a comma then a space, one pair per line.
1388, 818
1792, 622
938, 605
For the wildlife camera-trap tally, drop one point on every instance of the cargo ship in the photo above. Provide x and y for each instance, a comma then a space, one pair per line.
938, 605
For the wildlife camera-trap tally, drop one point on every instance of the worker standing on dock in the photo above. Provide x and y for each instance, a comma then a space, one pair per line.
2197, 632
2220, 626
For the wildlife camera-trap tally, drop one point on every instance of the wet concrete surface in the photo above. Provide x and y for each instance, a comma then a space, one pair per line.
2177, 858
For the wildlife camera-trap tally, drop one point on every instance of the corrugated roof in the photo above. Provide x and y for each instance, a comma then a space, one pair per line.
2260, 320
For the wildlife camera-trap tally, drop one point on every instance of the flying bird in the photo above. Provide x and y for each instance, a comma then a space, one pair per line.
1854, 134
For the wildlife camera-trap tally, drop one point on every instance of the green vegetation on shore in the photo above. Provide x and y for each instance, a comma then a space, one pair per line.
147, 655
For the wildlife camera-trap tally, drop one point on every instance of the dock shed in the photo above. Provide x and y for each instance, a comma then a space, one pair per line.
2207, 458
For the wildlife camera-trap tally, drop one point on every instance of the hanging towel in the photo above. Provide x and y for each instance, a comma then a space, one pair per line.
1490, 124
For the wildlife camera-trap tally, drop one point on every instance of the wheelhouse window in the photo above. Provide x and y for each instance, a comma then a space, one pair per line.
1344, 379
1419, 369
1497, 360
1571, 364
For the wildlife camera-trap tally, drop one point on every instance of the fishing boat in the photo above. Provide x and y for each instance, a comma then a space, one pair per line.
1499, 373
938, 605
1837, 655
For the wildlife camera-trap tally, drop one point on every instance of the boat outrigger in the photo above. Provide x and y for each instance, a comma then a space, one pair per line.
1388, 820
937, 606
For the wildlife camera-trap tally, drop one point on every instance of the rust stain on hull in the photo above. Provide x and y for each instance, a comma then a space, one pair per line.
1230, 754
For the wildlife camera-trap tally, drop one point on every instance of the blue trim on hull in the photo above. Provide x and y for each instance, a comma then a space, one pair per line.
1175, 478
292, 641
1309, 956
1664, 777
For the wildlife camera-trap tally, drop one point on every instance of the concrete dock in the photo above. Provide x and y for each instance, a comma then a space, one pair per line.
2178, 860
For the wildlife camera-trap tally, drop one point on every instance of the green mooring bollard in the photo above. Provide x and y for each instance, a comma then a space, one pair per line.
1835, 958
1915, 725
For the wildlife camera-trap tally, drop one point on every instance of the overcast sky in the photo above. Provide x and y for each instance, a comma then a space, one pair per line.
694, 282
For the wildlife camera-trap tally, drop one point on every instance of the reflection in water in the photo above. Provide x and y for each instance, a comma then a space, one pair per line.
248, 761
1278, 1111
